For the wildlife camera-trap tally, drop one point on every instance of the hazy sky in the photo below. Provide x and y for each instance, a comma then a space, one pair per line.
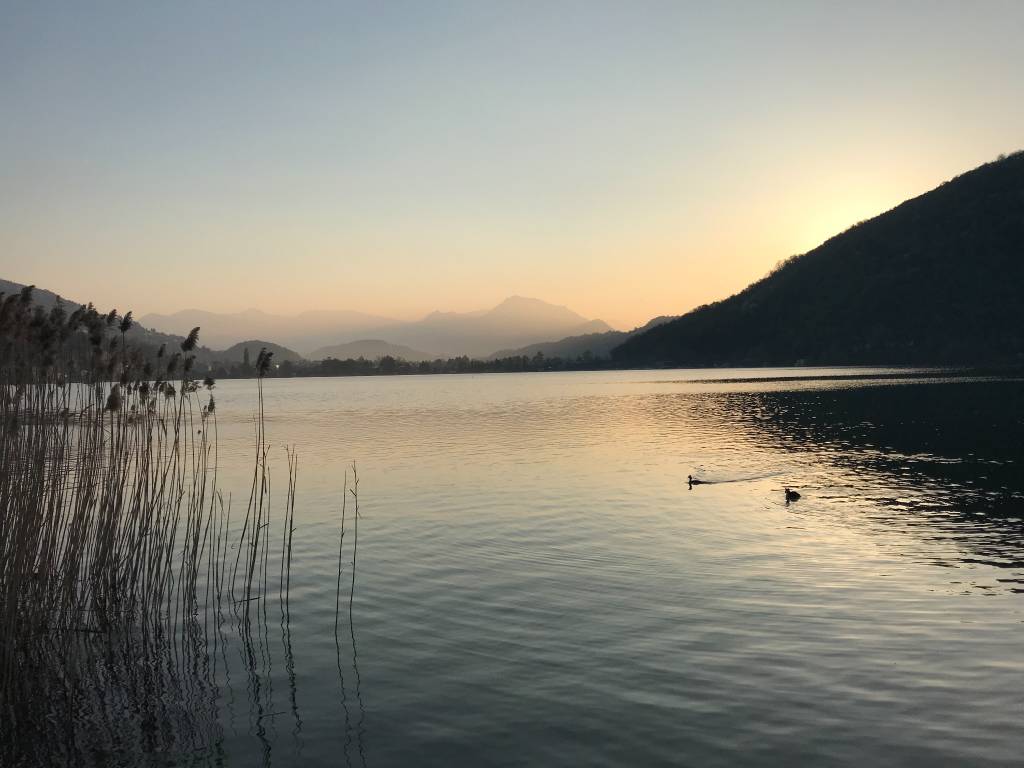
627, 159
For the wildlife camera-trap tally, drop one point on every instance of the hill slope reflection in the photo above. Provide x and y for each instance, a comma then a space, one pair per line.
940, 460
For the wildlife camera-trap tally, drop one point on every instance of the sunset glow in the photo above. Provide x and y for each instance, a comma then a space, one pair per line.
624, 161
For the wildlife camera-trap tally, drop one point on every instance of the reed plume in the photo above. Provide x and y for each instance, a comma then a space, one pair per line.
115, 538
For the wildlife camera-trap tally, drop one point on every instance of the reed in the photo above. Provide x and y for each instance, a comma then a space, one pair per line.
115, 539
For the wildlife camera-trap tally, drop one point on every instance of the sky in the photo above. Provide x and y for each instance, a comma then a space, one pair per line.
626, 159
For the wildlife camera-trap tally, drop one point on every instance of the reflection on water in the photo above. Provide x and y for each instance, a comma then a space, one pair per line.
941, 460
203, 694
538, 586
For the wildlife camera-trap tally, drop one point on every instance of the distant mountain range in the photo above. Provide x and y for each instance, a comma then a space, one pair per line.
938, 279
515, 322
141, 335
598, 345
304, 332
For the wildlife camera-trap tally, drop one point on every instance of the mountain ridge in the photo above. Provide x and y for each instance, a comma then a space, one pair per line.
139, 333
303, 331
936, 279
598, 345
514, 322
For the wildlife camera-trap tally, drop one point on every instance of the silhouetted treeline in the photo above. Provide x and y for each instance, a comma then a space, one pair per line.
389, 366
937, 280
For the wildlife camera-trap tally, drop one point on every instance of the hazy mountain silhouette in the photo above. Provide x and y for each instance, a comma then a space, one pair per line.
515, 322
146, 337
370, 349
236, 352
304, 332
938, 279
598, 345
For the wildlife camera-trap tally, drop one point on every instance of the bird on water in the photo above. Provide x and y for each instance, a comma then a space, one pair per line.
791, 495
691, 482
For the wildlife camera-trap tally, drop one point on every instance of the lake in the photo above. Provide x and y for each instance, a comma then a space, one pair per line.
538, 585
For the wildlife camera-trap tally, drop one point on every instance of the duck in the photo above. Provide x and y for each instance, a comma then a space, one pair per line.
791, 495
692, 482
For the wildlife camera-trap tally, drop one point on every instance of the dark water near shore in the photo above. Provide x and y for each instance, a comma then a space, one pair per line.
538, 586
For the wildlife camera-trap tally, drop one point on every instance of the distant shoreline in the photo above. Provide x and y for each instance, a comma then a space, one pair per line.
902, 370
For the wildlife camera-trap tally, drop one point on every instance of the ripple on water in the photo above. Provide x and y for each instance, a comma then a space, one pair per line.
538, 586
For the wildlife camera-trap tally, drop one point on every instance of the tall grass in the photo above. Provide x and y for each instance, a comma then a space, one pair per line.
116, 571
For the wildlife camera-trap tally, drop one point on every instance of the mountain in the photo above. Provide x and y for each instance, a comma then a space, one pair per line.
45, 299
598, 345
938, 279
142, 336
138, 334
515, 322
236, 352
304, 332
369, 349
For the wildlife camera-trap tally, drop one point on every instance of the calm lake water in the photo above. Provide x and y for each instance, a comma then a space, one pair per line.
536, 584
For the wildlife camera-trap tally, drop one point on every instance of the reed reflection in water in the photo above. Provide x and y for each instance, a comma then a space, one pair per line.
127, 597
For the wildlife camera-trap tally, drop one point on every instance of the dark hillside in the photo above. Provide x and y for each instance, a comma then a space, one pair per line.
596, 346
938, 279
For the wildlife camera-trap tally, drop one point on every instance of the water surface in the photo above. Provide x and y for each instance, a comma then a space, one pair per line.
537, 585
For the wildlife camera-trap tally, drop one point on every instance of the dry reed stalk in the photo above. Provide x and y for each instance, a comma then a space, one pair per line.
115, 540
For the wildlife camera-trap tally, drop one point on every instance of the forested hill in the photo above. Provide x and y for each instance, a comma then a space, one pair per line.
938, 279
595, 346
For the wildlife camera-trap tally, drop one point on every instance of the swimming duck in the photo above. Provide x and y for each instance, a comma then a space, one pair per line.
791, 495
